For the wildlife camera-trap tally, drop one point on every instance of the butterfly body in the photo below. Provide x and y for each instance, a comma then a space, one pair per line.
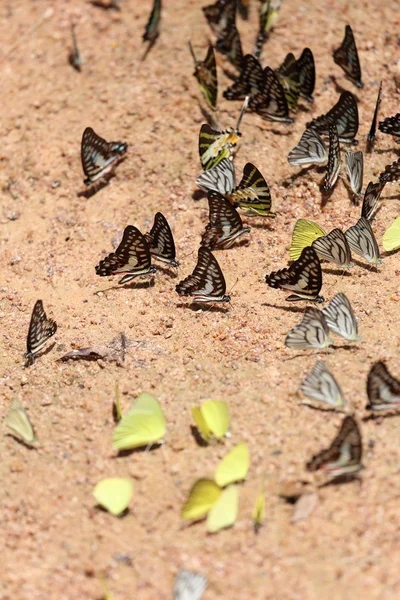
310, 150
189, 585
304, 277
334, 162
40, 330
207, 283
306, 67
289, 77
362, 241
248, 82
231, 46
215, 145
161, 242
98, 156
334, 247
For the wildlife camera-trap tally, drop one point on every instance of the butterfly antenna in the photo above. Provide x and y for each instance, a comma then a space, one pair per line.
192, 53
244, 107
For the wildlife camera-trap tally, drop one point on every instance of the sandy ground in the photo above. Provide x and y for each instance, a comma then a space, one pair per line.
54, 543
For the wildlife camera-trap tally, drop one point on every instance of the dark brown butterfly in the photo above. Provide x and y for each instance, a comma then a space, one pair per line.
206, 74
343, 457
382, 388
270, 102
207, 282
161, 241
391, 125
371, 199
231, 46
289, 78
132, 257
249, 81
391, 172
347, 58
152, 30
304, 277
98, 156
225, 225
372, 131
40, 330
306, 67
334, 162
344, 115
221, 16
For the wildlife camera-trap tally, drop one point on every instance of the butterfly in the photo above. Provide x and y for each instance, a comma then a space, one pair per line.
220, 178
346, 56
249, 80
252, 193
371, 199
75, 59
344, 115
321, 385
355, 169
189, 585
312, 332
161, 242
344, 455
391, 125
114, 494
221, 16
234, 466
362, 241
304, 234
207, 282
18, 421
334, 247
268, 16
206, 74
372, 131
132, 257
225, 225
289, 77
334, 162
270, 102
40, 330
152, 29
391, 172
310, 150
382, 388
207, 498
340, 317
304, 277
306, 67
98, 156
258, 514
212, 419
391, 237
143, 425
231, 46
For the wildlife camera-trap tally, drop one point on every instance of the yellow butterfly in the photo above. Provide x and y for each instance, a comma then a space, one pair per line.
17, 420
143, 425
304, 233
391, 237
207, 498
234, 466
258, 514
114, 494
212, 418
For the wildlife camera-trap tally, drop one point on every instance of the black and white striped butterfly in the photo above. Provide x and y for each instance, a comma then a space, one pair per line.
391, 125
152, 29
220, 16
346, 56
382, 388
312, 332
320, 385
341, 319
161, 241
343, 457
363, 242
334, 161
371, 199
231, 47
310, 150
220, 178
304, 277
205, 72
249, 80
372, 131
207, 282
344, 115
98, 156
306, 68
225, 225
270, 102
334, 248
131, 257
40, 330
391, 172
355, 170
189, 585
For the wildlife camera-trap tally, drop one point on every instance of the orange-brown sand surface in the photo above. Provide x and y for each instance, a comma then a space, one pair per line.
54, 542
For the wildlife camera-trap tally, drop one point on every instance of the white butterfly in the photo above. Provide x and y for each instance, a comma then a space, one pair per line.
220, 178
321, 385
189, 585
362, 241
312, 332
334, 247
341, 319
355, 170
310, 150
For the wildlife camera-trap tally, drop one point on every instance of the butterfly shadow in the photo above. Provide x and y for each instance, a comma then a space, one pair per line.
168, 270
259, 222
366, 267
149, 48
197, 437
387, 150
388, 253
344, 478
339, 89
338, 272
129, 286
95, 187
111, 6
378, 417
199, 194
29, 362
199, 306
344, 347
315, 354
141, 450
326, 409
325, 196
229, 74
22, 443
101, 509
285, 307
209, 117
293, 178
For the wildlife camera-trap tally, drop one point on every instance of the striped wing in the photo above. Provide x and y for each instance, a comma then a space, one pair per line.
231, 46
321, 385
334, 162
334, 247
355, 170
391, 125
206, 283
252, 193
382, 388
249, 80
218, 179
270, 103
346, 56
268, 16
362, 241
225, 224
312, 332
132, 256
345, 453
189, 585
152, 29
289, 77
304, 234
220, 16
341, 319
206, 74
310, 150
371, 199
215, 145
344, 115
40, 330
161, 241
98, 156
372, 131
306, 68
304, 277
391, 172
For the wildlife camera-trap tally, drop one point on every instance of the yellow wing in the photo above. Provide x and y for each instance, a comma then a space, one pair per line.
114, 494
304, 233
234, 466
18, 421
224, 512
202, 497
201, 423
216, 415
144, 424
258, 513
391, 237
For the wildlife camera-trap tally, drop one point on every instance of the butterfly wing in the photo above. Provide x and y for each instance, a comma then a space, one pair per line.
362, 241
249, 80
344, 115
219, 179
252, 193
391, 237
306, 67
215, 145
225, 224
382, 388
312, 332
206, 74
372, 131
391, 172
391, 125
346, 56
189, 585
206, 283
224, 512
18, 421
161, 241
234, 466
220, 16
334, 162
231, 46
289, 77
270, 103
371, 199
304, 234
132, 256
340, 317
98, 156
310, 150
152, 29
202, 497
321, 385
304, 277
334, 247
40, 330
